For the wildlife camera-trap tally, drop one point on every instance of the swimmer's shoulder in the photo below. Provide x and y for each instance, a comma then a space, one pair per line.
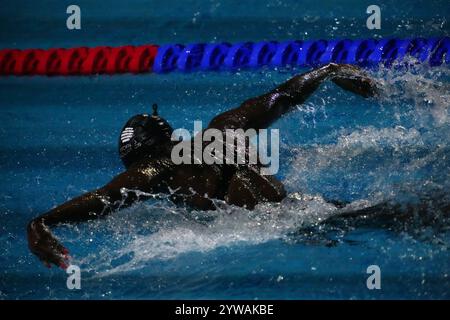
152, 168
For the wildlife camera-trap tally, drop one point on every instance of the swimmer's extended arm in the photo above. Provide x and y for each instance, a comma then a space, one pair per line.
91, 205
260, 112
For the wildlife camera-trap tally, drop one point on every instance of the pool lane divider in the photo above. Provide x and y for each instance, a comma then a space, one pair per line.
78, 61
221, 56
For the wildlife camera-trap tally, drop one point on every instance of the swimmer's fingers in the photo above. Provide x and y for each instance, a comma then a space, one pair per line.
45, 246
52, 252
363, 86
49, 257
355, 79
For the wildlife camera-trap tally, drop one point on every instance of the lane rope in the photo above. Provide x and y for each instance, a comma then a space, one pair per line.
78, 61
221, 56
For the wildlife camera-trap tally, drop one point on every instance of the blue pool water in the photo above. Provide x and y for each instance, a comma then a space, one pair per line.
58, 138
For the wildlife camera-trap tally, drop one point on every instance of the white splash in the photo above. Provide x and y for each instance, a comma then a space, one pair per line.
159, 230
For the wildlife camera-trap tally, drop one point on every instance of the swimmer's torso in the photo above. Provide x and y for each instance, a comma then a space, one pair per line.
197, 185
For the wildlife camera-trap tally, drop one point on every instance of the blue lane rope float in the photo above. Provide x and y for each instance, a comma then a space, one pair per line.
366, 53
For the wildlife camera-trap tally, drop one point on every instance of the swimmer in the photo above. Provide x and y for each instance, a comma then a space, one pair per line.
145, 148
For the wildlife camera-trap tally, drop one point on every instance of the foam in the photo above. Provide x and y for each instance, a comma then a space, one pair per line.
394, 160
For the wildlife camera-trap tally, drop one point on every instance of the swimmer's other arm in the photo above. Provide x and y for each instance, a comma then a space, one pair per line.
89, 206
260, 112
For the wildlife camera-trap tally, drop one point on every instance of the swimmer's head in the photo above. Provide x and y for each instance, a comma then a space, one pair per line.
144, 136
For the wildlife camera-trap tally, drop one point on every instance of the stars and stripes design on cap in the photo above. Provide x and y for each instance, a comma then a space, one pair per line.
126, 134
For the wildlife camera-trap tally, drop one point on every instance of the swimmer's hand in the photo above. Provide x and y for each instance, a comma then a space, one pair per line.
45, 246
354, 79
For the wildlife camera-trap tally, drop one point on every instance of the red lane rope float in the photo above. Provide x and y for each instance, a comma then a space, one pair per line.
78, 61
